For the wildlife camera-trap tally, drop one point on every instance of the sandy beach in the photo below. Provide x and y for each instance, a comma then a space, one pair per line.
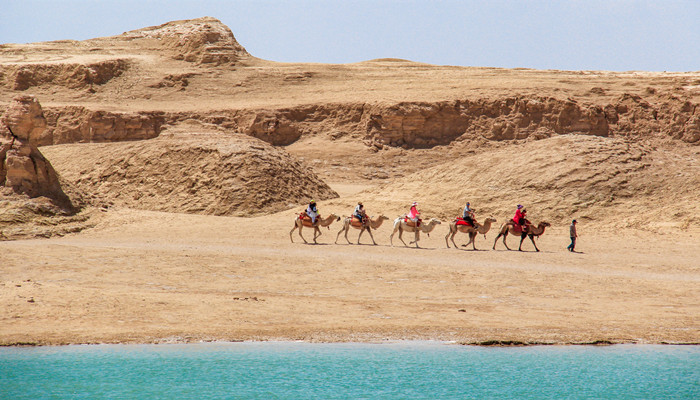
148, 277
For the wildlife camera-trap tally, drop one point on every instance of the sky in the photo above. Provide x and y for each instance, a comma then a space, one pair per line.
613, 35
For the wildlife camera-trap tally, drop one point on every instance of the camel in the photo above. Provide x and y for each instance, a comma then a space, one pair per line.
472, 231
368, 226
509, 227
400, 225
300, 223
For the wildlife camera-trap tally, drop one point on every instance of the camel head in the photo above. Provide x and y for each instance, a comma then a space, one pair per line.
545, 224
491, 220
430, 225
383, 217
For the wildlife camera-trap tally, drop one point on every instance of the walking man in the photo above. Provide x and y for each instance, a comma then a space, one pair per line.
573, 234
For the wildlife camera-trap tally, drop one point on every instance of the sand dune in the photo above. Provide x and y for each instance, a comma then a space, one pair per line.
195, 173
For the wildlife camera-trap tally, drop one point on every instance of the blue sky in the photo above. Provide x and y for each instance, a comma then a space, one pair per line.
618, 35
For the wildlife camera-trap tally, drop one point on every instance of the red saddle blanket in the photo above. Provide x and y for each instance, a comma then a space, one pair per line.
460, 221
517, 228
409, 222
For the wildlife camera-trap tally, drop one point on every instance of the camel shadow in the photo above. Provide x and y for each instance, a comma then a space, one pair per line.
417, 248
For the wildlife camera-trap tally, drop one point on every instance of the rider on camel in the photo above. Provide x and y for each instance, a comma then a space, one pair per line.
359, 212
520, 218
413, 213
468, 215
312, 211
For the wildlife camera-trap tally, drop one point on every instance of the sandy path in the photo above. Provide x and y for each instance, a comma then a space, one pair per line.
146, 276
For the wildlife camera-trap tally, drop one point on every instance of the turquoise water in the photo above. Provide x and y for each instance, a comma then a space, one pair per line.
423, 370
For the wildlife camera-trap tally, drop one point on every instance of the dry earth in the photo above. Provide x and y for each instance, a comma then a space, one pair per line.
190, 158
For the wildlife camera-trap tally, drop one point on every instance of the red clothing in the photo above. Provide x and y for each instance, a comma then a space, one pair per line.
413, 214
518, 215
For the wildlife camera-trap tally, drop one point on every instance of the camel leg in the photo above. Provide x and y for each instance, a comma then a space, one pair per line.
504, 240
362, 230
496, 241
391, 237
453, 239
472, 240
370, 235
532, 238
401, 239
302, 238
338, 235
522, 238
454, 233
447, 236
417, 237
317, 233
346, 234
292, 231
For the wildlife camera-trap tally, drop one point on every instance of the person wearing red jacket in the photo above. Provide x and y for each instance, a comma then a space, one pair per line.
520, 218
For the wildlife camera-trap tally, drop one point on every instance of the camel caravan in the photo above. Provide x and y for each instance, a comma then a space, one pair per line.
411, 222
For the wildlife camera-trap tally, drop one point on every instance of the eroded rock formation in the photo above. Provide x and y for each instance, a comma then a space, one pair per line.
201, 41
23, 169
22, 76
408, 125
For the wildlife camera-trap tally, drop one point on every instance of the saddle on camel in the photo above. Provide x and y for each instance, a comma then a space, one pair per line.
462, 221
357, 222
306, 220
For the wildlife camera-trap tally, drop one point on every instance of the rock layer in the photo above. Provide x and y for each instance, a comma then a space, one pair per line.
22, 76
408, 125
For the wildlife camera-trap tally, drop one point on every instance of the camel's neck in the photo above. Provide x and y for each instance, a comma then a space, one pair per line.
376, 223
540, 229
485, 227
427, 228
327, 221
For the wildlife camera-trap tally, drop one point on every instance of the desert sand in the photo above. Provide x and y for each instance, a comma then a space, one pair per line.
186, 160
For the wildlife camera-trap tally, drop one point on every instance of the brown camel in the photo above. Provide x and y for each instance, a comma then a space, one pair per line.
367, 226
472, 231
400, 225
509, 227
306, 222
